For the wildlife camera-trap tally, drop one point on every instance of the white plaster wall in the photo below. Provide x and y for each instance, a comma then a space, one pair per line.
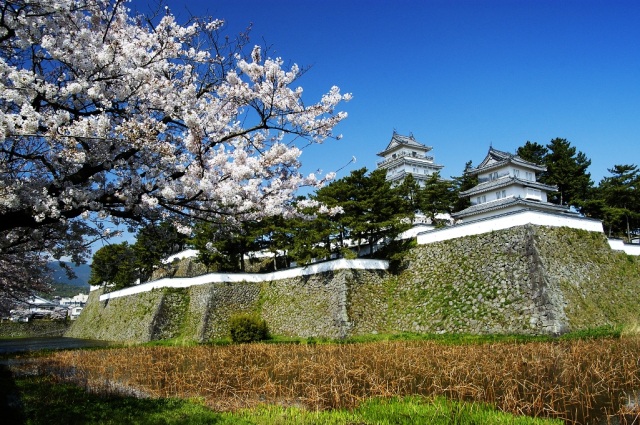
544, 197
506, 221
187, 253
619, 245
415, 230
341, 264
512, 191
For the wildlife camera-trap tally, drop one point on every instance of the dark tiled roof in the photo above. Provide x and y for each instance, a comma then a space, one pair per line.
501, 159
507, 202
401, 140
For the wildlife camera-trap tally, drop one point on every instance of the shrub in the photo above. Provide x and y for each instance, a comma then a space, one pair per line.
248, 328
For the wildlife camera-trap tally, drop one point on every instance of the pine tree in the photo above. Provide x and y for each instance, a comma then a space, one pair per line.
409, 191
460, 184
621, 195
437, 197
567, 169
385, 214
155, 242
311, 239
222, 247
114, 266
533, 152
277, 238
373, 211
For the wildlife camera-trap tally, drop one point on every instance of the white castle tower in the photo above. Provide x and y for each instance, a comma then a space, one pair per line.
405, 155
507, 183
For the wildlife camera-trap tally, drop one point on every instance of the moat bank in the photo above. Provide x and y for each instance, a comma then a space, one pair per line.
34, 328
526, 280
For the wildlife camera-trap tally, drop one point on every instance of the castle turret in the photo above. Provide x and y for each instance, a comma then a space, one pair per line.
507, 183
405, 155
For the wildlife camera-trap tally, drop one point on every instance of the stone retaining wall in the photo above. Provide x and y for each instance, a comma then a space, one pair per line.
526, 280
307, 306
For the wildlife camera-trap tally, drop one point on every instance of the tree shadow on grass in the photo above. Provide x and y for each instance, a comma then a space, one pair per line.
10, 403
41, 400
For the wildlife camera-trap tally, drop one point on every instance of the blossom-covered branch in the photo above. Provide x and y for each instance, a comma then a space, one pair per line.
117, 116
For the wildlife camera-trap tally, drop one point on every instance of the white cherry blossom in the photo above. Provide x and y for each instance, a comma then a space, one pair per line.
113, 116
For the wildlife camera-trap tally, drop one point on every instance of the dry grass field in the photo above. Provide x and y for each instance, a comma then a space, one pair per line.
581, 381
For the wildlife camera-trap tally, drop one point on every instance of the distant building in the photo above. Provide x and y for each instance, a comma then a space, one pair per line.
507, 183
405, 155
74, 312
36, 307
74, 304
76, 301
36, 303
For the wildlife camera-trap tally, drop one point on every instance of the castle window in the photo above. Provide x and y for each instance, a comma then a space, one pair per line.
501, 194
516, 173
534, 194
530, 176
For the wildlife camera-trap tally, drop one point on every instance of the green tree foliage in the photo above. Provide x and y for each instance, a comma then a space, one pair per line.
383, 215
311, 238
123, 264
536, 153
277, 238
223, 248
567, 169
114, 266
533, 152
345, 193
409, 191
460, 184
616, 201
437, 197
373, 211
155, 242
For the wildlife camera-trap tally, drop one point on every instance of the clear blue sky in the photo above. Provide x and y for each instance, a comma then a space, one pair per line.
459, 75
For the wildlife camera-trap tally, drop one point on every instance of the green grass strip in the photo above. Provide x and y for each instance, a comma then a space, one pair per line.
407, 410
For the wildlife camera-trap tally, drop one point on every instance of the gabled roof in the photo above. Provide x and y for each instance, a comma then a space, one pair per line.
494, 156
496, 159
399, 141
512, 201
36, 300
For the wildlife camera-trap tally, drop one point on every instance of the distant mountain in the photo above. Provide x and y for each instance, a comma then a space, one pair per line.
82, 275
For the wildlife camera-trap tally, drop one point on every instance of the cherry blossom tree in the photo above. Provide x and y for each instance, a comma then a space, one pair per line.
107, 116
